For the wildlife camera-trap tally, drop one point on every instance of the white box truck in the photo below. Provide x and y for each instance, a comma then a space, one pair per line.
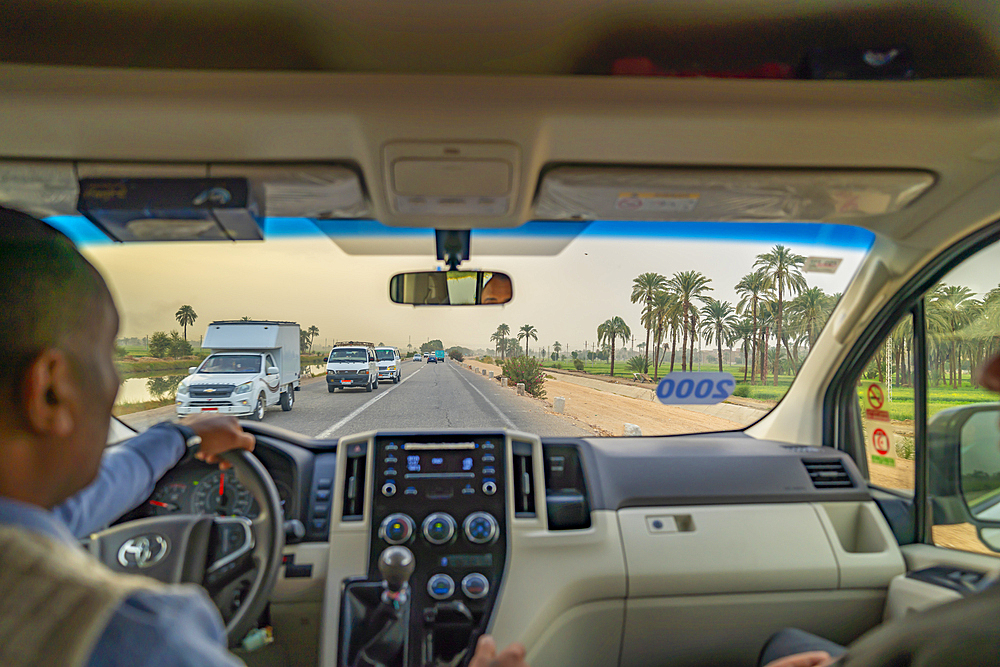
253, 364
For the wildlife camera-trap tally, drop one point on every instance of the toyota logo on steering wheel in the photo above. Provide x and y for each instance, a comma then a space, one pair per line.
144, 551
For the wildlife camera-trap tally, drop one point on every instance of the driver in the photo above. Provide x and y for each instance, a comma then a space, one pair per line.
58, 482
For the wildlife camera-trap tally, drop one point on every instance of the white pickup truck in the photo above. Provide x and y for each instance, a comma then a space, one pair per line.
253, 364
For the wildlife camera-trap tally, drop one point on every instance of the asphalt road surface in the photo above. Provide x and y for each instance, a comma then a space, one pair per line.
442, 395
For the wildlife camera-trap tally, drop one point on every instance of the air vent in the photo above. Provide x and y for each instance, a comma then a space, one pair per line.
828, 474
523, 483
354, 482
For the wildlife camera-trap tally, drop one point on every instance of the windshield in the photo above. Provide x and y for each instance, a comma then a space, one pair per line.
231, 363
350, 355
385, 355
604, 315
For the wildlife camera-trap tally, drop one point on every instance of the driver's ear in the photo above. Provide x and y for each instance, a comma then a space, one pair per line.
50, 394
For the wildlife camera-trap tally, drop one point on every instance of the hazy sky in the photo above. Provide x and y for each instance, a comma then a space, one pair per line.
312, 281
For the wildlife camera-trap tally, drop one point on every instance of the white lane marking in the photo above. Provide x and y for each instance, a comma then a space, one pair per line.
504, 417
364, 406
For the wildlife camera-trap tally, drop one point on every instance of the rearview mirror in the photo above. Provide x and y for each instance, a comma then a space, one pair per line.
451, 288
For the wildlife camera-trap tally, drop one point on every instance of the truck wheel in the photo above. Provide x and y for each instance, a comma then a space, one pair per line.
258, 411
330, 388
288, 398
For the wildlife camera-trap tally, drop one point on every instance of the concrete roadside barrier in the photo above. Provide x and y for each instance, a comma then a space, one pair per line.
632, 429
559, 404
520, 389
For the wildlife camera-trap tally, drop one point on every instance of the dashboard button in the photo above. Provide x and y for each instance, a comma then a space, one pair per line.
396, 529
324, 483
410, 491
489, 458
481, 528
390, 472
475, 586
388, 489
440, 587
489, 470
439, 528
323, 494
489, 487
321, 510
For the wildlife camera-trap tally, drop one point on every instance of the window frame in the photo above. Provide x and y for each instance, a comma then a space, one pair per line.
842, 428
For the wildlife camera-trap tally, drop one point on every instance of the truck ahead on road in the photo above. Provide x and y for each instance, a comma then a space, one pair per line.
253, 364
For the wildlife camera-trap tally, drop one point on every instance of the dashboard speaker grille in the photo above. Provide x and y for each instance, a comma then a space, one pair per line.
828, 474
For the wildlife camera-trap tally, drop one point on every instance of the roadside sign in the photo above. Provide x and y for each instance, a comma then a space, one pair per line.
822, 264
876, 396
880, 442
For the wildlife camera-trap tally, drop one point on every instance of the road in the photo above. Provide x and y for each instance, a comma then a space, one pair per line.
442, 395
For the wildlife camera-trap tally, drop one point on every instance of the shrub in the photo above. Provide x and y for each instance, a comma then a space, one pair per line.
577, 363
179, 347
487, 359
904, 448
456, 354
557, 365
742, 390
636, 365
159, 345
527, 370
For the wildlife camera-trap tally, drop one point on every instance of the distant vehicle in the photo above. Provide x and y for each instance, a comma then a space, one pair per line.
439, 356
352, 364
417, 357
253, 364
431, 358
389, 361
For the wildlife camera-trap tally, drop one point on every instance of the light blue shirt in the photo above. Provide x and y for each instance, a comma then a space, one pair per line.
181, 628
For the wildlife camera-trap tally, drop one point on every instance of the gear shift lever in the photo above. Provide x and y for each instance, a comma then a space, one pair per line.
396, 565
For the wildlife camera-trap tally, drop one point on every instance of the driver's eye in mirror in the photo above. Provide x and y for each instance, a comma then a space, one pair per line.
980, 460
451, 288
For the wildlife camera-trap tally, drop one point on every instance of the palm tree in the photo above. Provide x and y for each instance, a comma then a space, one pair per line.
782, 266
955, 306
185, 315
313, 331
753, 287
688, 285
500, 336
644, 287
527, 332
611, 331
718, 320
743, 331
808, 312
664, 313
556, 347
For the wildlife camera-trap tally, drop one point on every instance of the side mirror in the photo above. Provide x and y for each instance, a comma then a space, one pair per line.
451, 288
192, 370
964, 460
272, 370
324, 359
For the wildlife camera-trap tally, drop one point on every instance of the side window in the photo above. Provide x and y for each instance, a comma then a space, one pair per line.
269, 361
885, 398
963, 332
961, 325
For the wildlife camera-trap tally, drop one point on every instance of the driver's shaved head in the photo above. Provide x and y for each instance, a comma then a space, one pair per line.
51, 293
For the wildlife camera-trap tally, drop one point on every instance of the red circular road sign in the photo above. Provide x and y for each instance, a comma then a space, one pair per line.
880, 441
875, 397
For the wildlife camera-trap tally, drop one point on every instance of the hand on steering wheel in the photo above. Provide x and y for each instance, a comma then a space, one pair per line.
235, 559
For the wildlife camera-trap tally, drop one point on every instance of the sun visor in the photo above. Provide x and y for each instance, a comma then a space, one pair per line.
724, 195
317, 191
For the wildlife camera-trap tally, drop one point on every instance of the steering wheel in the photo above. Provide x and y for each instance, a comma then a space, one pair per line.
235, 559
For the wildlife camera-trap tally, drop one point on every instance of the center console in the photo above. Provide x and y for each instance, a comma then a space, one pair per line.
442, 498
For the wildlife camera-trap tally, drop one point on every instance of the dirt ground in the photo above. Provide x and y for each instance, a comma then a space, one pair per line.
606, 415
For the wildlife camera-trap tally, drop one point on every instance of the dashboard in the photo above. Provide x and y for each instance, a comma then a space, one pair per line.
551, 541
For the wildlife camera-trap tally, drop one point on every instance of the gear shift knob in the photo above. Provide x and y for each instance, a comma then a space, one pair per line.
396, 565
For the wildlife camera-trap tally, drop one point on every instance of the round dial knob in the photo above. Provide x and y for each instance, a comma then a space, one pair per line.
440, 587
475, 586
397, 529
481, 528
439, 528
